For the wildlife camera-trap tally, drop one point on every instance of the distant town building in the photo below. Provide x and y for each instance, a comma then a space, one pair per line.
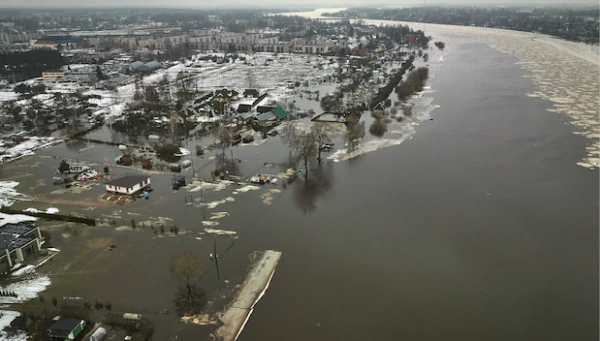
53, 76
43, 44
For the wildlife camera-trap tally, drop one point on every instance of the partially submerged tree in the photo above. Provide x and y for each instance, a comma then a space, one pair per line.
289, 134
189, 299
63, 167
321, 132
305, 150
354, 133
225, 136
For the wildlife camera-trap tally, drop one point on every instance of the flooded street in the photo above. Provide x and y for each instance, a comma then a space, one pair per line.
479, 225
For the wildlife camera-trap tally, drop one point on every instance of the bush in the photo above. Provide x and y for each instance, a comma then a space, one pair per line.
378, 128
108, 305
98, 305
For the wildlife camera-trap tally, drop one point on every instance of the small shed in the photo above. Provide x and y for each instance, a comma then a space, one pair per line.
252, 93
98, 335
129, 184
147, 164
125, 160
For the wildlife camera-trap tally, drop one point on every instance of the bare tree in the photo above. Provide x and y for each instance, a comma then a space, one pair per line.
225, 136
250, 79
306, 150
355, 132
185, 87
189, 299
289, 133
321, 132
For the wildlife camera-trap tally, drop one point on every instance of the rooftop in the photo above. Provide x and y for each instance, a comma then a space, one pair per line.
62, 328
13, 236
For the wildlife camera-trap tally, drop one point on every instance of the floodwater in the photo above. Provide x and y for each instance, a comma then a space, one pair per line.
480, 227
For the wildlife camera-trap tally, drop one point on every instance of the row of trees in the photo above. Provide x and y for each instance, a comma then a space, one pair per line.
21, 65
385, 91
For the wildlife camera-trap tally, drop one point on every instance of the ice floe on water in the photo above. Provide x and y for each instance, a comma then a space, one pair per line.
218, 215
565, 73
219, 232
216, 203
246, 189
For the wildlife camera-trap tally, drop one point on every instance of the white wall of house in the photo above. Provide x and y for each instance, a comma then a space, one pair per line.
131, 190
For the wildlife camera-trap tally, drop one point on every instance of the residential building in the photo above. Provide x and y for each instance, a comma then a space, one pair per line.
130, 184
270, 118
202, 42
53, 76
66, 329
43, 44
17, 243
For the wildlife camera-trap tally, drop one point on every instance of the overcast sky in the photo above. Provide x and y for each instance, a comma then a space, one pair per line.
258, 3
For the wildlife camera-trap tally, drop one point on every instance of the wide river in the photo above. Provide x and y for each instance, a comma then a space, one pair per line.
481, 227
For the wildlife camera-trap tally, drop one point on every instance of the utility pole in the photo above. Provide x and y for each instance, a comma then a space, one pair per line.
216, 257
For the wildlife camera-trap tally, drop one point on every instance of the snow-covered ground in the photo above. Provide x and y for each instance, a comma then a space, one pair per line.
14, 218
50, 210
6, 317
8, 194
27, 147
30, 284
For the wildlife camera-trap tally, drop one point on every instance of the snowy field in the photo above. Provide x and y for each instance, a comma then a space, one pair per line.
6, 317
8, 194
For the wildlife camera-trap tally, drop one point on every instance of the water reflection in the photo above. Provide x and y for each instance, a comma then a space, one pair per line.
310, 187
76, 145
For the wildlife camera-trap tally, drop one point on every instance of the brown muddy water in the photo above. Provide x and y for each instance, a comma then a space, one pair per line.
481, 227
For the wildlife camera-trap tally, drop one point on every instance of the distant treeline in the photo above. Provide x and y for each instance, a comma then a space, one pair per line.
18, 66
578, 24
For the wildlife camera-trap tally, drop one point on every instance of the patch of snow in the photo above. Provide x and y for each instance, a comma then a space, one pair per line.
14, 218
50, 210
220, 232
8, 194
6, 317
32, 284
246, 189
